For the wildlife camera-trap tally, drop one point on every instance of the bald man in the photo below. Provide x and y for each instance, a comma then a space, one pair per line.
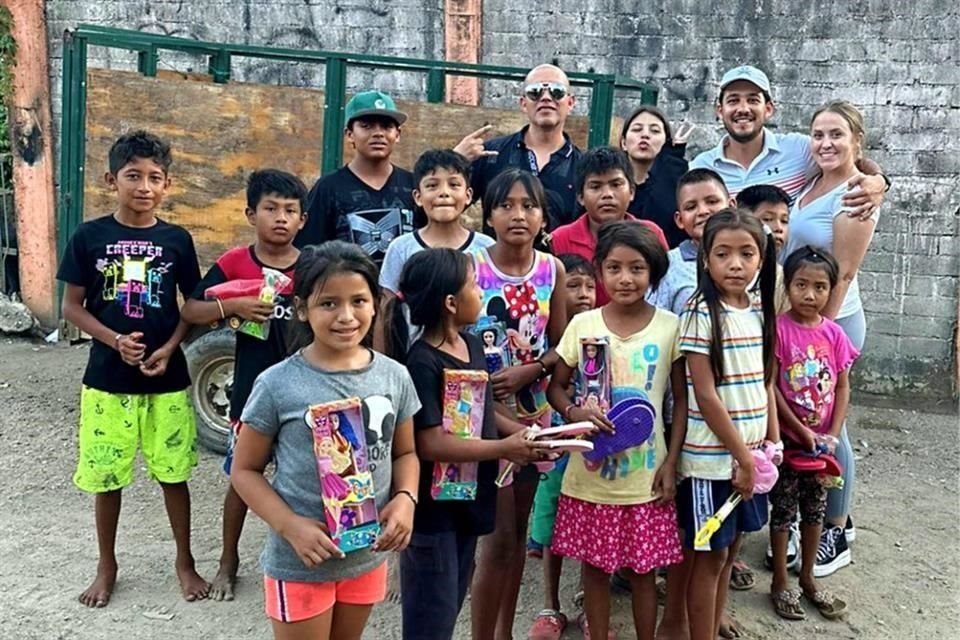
540, 147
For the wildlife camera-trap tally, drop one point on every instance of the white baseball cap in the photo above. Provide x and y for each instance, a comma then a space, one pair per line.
748, 73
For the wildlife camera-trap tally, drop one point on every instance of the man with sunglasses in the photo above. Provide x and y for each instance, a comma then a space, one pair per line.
540, 147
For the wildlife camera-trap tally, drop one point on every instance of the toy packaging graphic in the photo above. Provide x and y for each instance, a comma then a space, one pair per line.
463, 413
494, 336
346, 484
594, 369
273, 284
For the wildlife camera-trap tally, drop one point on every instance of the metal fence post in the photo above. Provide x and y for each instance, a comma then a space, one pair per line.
601, 110
436, 85
147, 62
336, 88
219, 66
72, 136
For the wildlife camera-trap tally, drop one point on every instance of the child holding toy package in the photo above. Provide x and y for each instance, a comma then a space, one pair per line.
617, 511
456, 434
275, 209
334, 478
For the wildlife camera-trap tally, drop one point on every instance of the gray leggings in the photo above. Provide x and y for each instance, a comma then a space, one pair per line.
838, 500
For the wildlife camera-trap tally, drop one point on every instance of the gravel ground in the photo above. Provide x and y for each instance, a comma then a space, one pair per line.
903, 584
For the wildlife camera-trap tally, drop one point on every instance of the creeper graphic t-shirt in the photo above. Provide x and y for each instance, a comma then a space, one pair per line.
341, 206
131, 276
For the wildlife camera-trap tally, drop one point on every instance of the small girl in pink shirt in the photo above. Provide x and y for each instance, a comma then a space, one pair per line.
813, 360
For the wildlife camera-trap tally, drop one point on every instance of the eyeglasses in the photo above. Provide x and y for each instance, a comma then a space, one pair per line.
535, 91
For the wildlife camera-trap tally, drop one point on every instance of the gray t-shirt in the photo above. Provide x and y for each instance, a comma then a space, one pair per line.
277, 407
408, 244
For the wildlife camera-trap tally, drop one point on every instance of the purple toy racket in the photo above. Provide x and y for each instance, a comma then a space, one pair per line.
633, 419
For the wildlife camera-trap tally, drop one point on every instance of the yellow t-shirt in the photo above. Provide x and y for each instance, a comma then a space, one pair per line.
640, 368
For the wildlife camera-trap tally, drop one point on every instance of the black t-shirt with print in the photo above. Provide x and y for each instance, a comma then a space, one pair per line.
253, 356
131, 276
475, 517
341, 206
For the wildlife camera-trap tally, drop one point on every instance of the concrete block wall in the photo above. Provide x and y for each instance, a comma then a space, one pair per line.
899, 61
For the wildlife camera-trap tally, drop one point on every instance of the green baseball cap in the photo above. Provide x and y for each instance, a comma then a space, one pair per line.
372, 103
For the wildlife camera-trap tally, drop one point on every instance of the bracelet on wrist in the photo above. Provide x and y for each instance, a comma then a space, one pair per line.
543, 369
223, 315
410, 495
567, 410
116, 341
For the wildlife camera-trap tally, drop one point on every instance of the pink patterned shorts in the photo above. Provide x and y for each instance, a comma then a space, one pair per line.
640, 537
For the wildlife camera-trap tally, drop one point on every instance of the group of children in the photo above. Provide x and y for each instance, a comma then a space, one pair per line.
453, 357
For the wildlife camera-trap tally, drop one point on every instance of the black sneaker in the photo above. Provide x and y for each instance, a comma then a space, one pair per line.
849, 530
833, 552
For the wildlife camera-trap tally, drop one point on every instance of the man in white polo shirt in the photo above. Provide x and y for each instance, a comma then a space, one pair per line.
750, 154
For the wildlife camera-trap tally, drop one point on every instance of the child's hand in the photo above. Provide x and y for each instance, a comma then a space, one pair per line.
742, 479
520, 451
309, 539
592, 414
156, 364
509, 381
396, 524
131, 349
250, 308
807, 439
665, 482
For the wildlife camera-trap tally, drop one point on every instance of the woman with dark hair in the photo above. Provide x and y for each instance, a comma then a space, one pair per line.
647, 133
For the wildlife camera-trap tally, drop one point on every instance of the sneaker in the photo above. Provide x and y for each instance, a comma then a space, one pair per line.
549, 625
534, 549
849, 530
793, 549
833, 552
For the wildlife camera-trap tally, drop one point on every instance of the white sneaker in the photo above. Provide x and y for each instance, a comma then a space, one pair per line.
833, 553
793, 549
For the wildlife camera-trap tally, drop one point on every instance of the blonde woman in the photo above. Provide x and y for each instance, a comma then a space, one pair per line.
837, 139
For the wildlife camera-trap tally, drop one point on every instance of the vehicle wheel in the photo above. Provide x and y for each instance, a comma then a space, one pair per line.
211, 358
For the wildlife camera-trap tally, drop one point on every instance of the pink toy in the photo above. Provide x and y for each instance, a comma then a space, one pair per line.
463, 412
765, 475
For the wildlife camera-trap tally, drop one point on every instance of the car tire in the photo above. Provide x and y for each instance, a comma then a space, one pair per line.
211, 361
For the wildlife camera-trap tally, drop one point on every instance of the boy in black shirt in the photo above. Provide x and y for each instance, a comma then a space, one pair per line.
369, 202
275, 209
122, 273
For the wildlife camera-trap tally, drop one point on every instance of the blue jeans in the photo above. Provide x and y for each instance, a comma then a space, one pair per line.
435, 571
839, 500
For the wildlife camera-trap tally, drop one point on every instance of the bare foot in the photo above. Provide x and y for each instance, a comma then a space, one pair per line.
98, 593
224, 582
671, 630
729, 628
191, 584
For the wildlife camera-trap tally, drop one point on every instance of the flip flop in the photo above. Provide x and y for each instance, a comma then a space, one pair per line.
741, 576
830, 606
585, 629
787, 604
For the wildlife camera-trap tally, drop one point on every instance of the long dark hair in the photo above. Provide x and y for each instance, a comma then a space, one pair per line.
737, 219
428, 277
316, 264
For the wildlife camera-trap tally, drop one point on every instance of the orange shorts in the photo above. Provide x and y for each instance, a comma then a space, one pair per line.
296, 601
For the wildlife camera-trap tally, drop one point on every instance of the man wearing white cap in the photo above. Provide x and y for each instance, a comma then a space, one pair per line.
750, 154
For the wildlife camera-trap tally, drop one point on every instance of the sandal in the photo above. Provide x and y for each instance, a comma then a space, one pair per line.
741, 576
830, 606
787, 604
585, 630
548, 625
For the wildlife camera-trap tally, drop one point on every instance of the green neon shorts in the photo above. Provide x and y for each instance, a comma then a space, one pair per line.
545, 504
113, 425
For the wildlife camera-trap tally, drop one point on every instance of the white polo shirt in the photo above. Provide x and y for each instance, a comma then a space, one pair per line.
785, 161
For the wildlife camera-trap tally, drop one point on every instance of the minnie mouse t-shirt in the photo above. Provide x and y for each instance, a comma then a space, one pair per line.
522, 304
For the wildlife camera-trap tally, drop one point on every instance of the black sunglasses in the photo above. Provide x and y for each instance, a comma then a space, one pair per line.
535, 91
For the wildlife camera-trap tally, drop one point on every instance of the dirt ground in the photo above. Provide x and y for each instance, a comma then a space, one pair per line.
904, 583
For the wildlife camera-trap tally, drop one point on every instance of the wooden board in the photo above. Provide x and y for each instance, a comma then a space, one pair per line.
220, 133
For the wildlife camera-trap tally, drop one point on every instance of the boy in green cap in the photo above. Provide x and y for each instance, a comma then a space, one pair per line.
369, 202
